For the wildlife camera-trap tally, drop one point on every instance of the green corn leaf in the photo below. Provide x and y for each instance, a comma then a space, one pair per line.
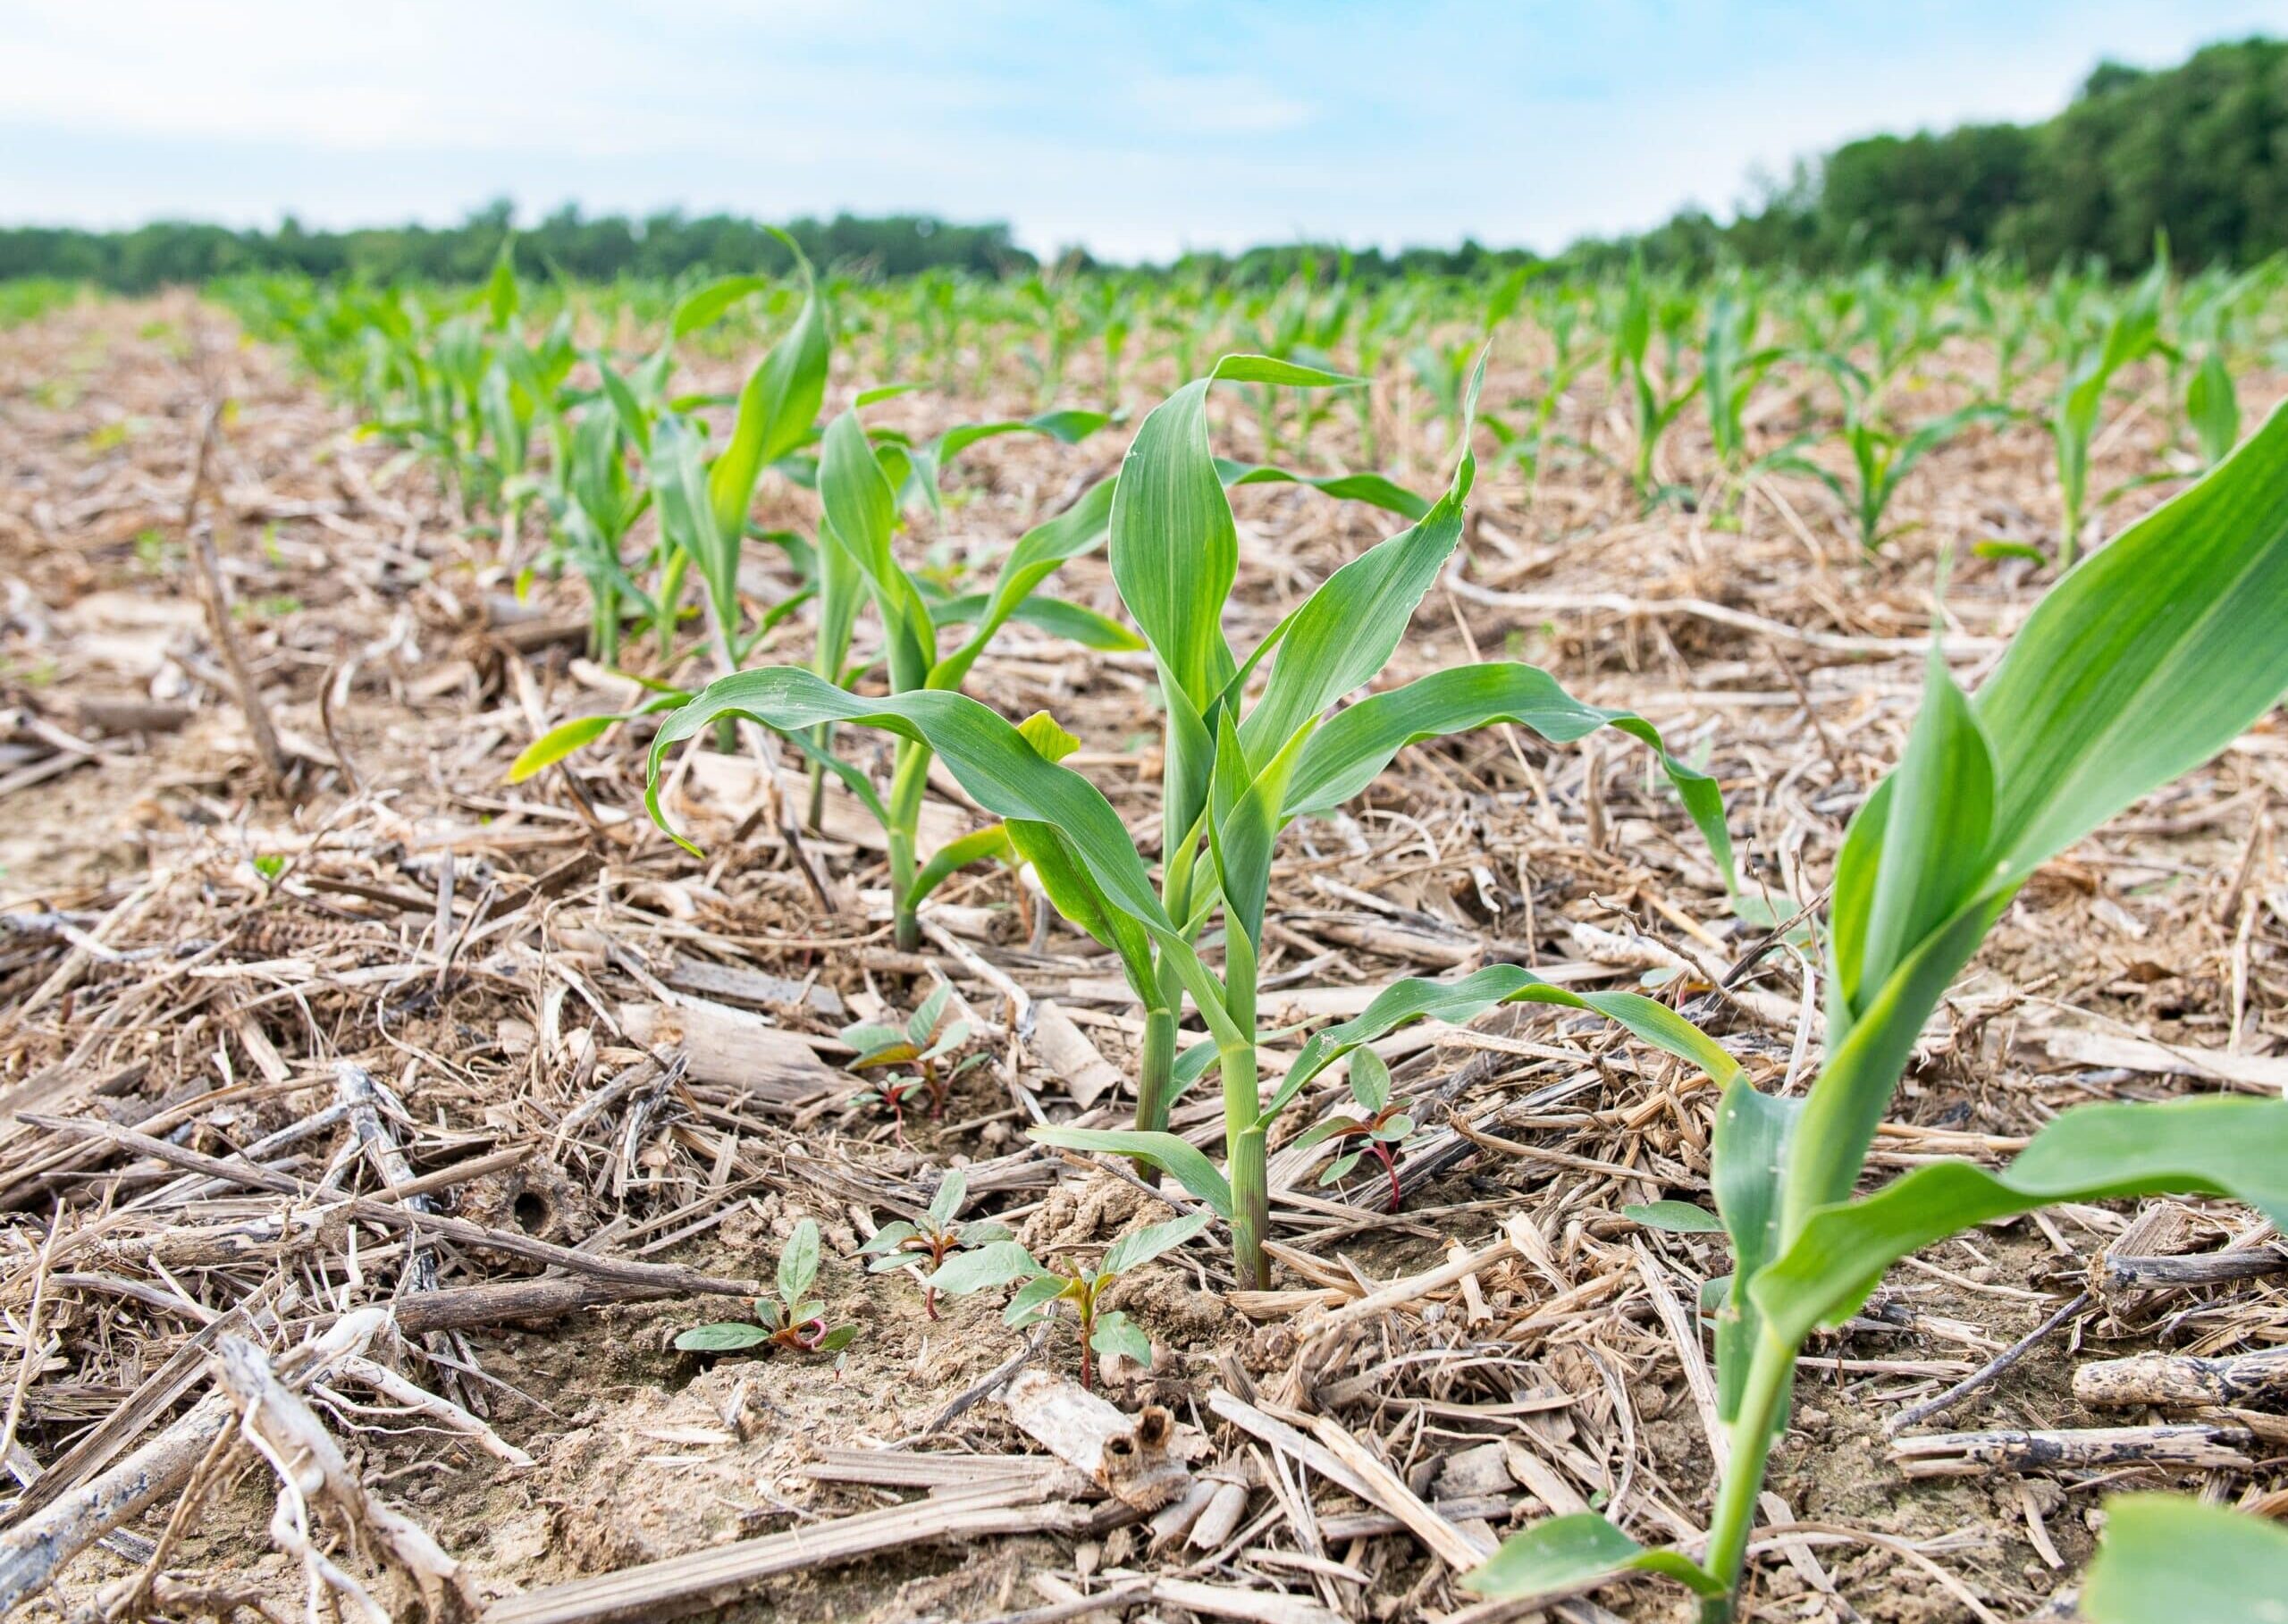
1079, 529
703, 306
1346, 631
1115, 1333
726, 1336
2210, 1146
776, 408
984, 1269
2213, 407
988, 757
1351, 748
1558, 1556
1140, 1247
992, 841
798, 1265
2169, 1558
1374, 489
1749, 1155
1173, 548
1920, 849
860, 510
1179, 1158
2145, 660
1675, 1217
558, 742
1078, 623
1473, 995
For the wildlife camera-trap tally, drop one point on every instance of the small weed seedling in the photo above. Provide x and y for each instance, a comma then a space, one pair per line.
1375, 1130
903, 1245
792, 1320
918, 1043
1100, 1330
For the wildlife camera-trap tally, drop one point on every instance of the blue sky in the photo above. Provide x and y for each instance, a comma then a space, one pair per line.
1138, 128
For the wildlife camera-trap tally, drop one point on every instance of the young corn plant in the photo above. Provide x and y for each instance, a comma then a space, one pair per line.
2138, 667
2132, 332
791, 1321
1236, 772
1880, 460
938, 1236
1078, 1287
1655, 396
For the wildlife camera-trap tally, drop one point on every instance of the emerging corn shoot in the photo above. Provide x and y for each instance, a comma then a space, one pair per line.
2139, 665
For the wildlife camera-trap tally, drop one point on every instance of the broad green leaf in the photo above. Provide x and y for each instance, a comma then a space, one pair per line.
836, 1340
726, 1336
1370, 1080
1032, 1301
1143, 1245
984, 1269
1115, 1333
1351, 748
1473, 995
1179, 1158
889, 1238
2169, 1558
2210, 1145
1048, 740
1567, 1552
798, 1265
1675, 1217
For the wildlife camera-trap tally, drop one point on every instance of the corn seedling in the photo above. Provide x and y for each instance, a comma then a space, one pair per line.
792, 1320
2132, 332
1235, 775
1654, 395
927, 1243
2170, 1559
1880, 460
1377, 1130
1078, 1287
2138, 667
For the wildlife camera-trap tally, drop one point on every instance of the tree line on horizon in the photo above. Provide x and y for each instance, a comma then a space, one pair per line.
2198, 152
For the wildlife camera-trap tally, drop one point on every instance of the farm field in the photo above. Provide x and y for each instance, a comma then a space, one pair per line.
428, 957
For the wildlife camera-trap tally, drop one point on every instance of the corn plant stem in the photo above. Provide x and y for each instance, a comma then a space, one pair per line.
1243, 1151
907, 781
1771, 1369
1156, 1069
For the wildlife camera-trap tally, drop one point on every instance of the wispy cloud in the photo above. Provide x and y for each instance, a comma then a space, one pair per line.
1138, 126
